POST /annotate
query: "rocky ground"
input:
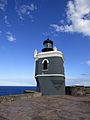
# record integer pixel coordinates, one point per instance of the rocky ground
(47, 108)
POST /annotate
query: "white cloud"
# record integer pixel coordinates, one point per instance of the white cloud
(78, 18)
(26, 10)
(17, 82)
(3, 4)
(47, 34)
(77, 81)
(10, 37)
(88, 62)
(6, 20)
(62, 28)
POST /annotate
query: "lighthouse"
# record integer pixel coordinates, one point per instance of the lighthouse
(49, 70)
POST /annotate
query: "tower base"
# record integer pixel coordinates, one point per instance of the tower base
(51, 85)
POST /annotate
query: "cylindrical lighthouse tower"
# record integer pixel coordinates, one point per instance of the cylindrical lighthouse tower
(49, 71)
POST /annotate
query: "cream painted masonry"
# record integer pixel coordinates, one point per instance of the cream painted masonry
(49, 54)
(61, 75)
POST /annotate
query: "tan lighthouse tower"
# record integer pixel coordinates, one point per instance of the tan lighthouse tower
(49, 72)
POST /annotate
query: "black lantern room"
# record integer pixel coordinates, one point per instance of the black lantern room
(48, 45)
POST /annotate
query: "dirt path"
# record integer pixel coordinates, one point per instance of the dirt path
(47, 108)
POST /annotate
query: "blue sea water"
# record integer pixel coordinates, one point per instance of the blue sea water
(12, 90)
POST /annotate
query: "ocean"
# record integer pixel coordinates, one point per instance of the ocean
(12, 90)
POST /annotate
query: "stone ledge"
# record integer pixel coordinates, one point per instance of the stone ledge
(25, 96)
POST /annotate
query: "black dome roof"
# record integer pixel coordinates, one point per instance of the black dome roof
(48, 41)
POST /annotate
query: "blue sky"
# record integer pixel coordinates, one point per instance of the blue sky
(25, 24)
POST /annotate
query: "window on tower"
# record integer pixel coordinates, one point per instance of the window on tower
(45, 64)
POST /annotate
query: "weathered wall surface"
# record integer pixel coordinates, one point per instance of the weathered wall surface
(55, 66)
(10, 98)
(77, 90)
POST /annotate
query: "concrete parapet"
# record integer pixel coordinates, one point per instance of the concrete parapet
(26, 96)
(77, 90)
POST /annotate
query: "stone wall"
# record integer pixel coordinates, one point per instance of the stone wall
(87, 90)
(77, 90)
(25, 96)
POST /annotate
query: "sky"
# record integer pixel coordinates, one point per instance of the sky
(25, 24)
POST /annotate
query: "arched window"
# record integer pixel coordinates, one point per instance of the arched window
(45, 63)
